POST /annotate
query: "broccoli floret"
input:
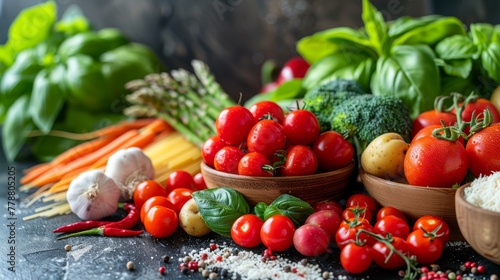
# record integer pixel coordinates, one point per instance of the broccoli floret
(322, 99)
(362, 118)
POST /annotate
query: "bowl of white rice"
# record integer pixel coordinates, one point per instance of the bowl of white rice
(477, 207)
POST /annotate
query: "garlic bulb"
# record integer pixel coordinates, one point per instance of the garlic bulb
(129, 167)
(93, 195)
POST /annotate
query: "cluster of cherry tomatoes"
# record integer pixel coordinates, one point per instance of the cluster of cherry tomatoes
(264, 141)
(160, 205)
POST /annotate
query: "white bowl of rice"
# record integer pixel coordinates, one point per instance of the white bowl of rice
(477, 206)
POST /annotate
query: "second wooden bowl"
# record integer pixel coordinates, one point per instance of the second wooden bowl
(311, 188)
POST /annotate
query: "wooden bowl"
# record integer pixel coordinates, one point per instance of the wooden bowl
(480, 227)
(311, 188)
(414, 201)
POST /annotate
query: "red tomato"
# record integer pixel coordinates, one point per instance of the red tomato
(483, 151)
(358, 212)
(295, 67)
(266, 137)
(277, 233)
(432, 117)
(227, 159)
(333, 151)
(301, 127)
(179, 196)
(347, 233)
(381, 252)
(430, 223)
(210, 148)
(179, 179)
(199, 182)
(153, 201)
(254, 164)
(300, 160)
(146, 190)
(427, 249)
(427, 131)
(362, 200)
(161, 221)
(435, 163)
(260, 110)
(390, 211)
(478, 106)
(233, 124)
(329, 205)
(246, 230)
(393, 225)
(355, 258)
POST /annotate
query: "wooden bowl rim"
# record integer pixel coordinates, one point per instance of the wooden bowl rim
(343, 170)
(462, 202)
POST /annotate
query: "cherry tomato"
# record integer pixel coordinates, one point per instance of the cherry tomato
(381, 252)
(246, 230)
(430, 223)
(295, 67)
(233, 124)
(199, 182)
(227, 159)
(332, 150)
(210, 148)
(161, 221)
(432, 117)
(153, 201)
(301, 127)
(355, 258)
(179, 196)
(179, 179)
(362, 200)
(260, 110)
(393, 225)
(427, 249)
(390, 211)
(254, 164)
(483, 151)
(427, 131)
(266, 137)
(478, 106)
(300, 160)
(329, 205)
(277, 233)
(359, 212)
(347, 232)
(435, 163)
(146, 190)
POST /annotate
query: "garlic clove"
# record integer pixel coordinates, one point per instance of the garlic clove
(93, 195)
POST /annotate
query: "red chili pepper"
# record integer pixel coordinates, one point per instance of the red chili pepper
(105, 231)
(79, 226)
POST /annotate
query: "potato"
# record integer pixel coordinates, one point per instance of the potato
(384, 156)
(191, 221)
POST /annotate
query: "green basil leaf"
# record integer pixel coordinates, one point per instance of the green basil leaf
(431, 33)
(288, 90)
(347, 65)
(293, 207)
(259, 210)
(451, 84)
(47, 98)
(490, 60)
(32, 25)
(495, 37)
(6, 57)
(410, 74)
(220, 207)
(375, 27)
(456, 47)
(456, 67)
(15, 128)
(72, 21)
(481, 34)
(405, 24)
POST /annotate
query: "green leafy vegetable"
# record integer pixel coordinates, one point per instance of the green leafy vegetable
(220, 207)
(16, 126)
(259, 210)
(293, 207)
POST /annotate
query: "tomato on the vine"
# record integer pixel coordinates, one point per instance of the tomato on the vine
(266, 137)
(362, 200)
(245, 230)
(483, 151)
(356, 212)
(381, 253)
(332, 150)
(261, 109)
(254, 164)
(478, 106)
(146, 190)
(179, 179)
(426, 248)
(277, 233)
(161, 221)
(427, 131)
(180, 196)
(388, 211)
(355, 258)
(392, 225)
(430, 223)
(300, 160)
(227, 159)
(301, 127)
(211, 146)
(435, 162)
(432, 117)
(233, 124)
(347, 232)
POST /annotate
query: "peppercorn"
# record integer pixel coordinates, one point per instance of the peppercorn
(205, 273)
(224, 272)
(287, 268)
(166, 258)
(67, 247)
(130, 265)
(303, 262)
(325, 274)
(494, 277)
(212, 276)
(161, 270)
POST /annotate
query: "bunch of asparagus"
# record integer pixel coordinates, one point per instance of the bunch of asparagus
(189, 102)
